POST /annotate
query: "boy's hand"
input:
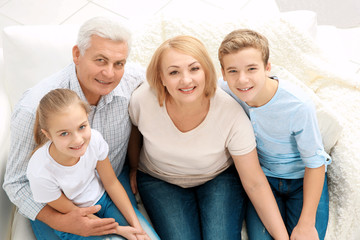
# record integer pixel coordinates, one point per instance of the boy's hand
(304, 233)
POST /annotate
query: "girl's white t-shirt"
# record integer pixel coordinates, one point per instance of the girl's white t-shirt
(190, 158)
(80, 183)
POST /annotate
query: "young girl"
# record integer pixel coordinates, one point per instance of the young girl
(70, 167)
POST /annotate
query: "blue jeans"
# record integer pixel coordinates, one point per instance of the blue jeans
(289, 197)
(43, 232)
(213, 210)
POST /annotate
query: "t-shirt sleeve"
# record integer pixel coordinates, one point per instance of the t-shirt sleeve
(100, 145)
(43, 190)
(241, 139)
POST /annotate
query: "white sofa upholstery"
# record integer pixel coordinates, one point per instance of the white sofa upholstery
(6, 207)
(34, 52)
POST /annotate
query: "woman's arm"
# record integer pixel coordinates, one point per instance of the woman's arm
(313, 185)
(258, 189)
(135, 144)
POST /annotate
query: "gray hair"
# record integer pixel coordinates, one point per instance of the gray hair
(105, 28)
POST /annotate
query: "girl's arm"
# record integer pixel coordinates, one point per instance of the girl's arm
(258, 189)
(135, 144)
(117, 192)
(313, 184)
(64, 205)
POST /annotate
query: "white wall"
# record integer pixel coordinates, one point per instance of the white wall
(341, 13)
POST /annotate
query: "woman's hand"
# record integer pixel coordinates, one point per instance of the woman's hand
(133, 182)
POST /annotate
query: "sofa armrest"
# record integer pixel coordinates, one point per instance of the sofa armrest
(6, 207)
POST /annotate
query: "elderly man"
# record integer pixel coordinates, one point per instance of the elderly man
(99, 75)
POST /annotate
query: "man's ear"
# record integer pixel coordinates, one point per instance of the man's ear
(76, 54)
(46, 134)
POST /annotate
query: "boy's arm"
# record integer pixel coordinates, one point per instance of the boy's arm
(313, 185)
(117, 192)
(135, 143)
(260, 194)
(309, 143)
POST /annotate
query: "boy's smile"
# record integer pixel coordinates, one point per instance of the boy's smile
(247, 77)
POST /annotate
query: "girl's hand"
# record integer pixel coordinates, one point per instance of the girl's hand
(133, 183)
(129, 233)
(143, 236)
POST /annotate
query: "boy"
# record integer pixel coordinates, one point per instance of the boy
(289, 144)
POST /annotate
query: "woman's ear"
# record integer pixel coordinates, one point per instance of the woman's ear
(46, 134)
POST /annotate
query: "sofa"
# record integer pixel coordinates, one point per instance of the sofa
(301, 52)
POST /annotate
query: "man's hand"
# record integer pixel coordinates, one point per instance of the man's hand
(80, 224)
(77, 221)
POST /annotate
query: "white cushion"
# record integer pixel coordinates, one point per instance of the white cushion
(21, 228)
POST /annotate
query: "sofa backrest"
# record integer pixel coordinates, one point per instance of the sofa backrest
(32, 53)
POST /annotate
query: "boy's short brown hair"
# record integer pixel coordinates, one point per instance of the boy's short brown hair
(244, 38)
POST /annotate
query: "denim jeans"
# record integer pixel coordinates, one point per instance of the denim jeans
(43, 232)
(213, 210)
(289, 197)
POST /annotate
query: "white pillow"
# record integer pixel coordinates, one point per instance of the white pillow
(304, 20)
(32, 53)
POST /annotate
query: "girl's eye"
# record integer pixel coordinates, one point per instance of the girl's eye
(173, 72)
(232, 71)
(63, 134)
(195, 68)
(82, 127)
(252, 69)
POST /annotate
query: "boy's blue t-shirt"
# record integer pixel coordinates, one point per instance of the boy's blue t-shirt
(287, 133)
